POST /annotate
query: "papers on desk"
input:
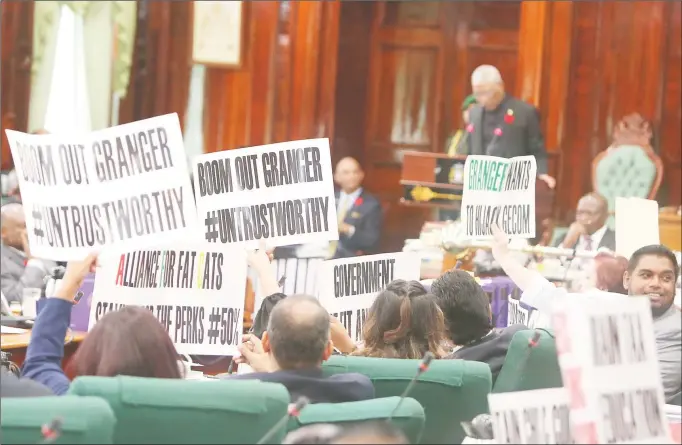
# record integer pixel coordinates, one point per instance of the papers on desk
(11, 330)
(636, 224)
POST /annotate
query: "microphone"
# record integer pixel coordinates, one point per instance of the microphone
(293, 411)
(423, 366)
(481, 428)
(51, 431)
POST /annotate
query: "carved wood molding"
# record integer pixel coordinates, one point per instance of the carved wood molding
(632, 130)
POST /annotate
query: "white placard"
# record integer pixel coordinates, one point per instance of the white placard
(281, 193)
(347, 287)
(195, 290)
(609, 365)
(636, 224)
(517, 314)
(122, 186)
(499, 190)
(541, 416)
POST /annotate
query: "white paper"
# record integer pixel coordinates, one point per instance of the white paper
(194, 289)
(348, 286)
(540, 416)
(499, 190)
(126, 186)
(609, 365)
(636, 224)
(281, 193)
(11, 330)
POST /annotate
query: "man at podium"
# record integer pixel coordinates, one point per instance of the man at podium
(502, 125)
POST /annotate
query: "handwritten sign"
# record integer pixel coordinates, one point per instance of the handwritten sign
(609, 366)
(281, 193)
(195, 290)
(502, 191)
(540, 416)
(120, 186)
(348, 286)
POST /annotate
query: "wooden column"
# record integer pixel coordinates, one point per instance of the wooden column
(533, 30)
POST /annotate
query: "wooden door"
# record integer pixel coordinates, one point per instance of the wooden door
(404, 105)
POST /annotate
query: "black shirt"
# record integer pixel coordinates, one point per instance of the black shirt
(13, 386)
(491, 349)
(493, 119)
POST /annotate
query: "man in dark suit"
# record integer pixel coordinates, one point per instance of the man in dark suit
(589, 231)
(20, 270)
(296, 343)
(504, 126)
(359, 213)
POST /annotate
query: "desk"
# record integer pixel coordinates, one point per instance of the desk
(16, 345)
(670, 230)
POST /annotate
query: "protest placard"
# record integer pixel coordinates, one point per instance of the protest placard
(517, 314)
(281, 193)
(122, 186)
(347, 287)
(541, 416)
(607, 354)
(195, 290)
(502, 191)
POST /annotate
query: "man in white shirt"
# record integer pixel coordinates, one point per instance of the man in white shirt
(589, 231)
(20, 270)
(359, 213)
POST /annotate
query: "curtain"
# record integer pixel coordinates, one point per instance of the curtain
(194, 115)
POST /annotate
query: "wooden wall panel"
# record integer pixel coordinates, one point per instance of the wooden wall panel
(16, 25)
(625, 58)
(159, 78)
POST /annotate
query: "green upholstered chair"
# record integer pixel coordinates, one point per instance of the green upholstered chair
(164, 411)
(450, 391)
(629, 168)
(86, 420)
(409, 417)
(527, 368)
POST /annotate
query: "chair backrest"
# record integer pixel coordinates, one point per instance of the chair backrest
(409, 417)
(86, 420)
(528, 368)
(188, 411)
(629, 167)
(450, 391)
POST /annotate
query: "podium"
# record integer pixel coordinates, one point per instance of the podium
(436, 180)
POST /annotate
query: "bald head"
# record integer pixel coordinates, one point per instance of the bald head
(487, 85)
(298, 333)
(13, 225)
(592, 212)
(348, 175)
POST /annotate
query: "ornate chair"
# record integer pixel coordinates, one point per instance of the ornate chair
(629, 167)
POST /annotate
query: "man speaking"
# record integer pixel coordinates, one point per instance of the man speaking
(502, 125)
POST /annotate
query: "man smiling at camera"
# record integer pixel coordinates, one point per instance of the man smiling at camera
(653, 271)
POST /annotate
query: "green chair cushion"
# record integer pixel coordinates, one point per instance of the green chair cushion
(409, 417)
(526, 368)
(188, 411)
(451, 391)
(86, 420)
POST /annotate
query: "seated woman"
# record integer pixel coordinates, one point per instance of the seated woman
(404, 322)
(129, 341)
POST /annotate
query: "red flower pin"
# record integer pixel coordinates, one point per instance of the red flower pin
(498, 132)
(509, 117)
(470, 128)
(358, 202)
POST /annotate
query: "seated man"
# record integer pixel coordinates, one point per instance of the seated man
(589, 231)
(653, 271)
(292, 351)
(466, 308)
(20, 269)
(359, 213)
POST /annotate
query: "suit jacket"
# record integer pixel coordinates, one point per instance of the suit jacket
(16, 276)
(366, 216)
(520, 138)
(311, 383)
(608, 241)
